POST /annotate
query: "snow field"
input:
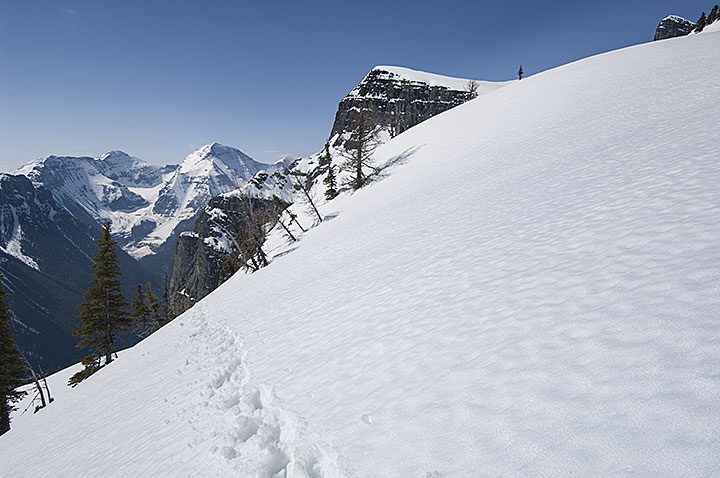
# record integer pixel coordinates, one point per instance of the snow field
(185, 407)
(533, 289)
(534, 292)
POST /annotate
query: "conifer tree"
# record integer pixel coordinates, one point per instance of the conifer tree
(141, 313)
(330, 180)
(713, 14)
(166, 314)
(156, 312)
(103, 313)
(303, 183)
(12, 366)
(702, 21)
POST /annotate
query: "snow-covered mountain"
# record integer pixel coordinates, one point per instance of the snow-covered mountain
(540, 300)
(147, 205)
(51, 212)
(45, 253)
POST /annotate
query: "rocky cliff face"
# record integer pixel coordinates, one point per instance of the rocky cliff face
(201, 256)
(673, 26)
(396, 98)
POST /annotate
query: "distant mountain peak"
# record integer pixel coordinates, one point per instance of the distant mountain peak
(221, 155)
(115, 154)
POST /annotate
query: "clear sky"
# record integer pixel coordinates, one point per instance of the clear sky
(157, 79)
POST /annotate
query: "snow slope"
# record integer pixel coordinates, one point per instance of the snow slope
(533, 289)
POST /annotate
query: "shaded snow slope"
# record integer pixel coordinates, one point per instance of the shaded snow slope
(532, 290)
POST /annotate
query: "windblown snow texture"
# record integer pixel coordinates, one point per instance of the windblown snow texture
(532, 290)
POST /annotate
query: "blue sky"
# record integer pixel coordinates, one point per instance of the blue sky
(158, 79)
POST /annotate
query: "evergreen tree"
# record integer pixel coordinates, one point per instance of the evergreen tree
(701, 23)
(156, 312)
(520, 73)
(103, 314)
(141, 313)
(12, 366)
(166, 315)
(713, 14)
(330, 180)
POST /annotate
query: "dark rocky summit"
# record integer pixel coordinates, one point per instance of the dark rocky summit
(673, 26)
(393, 101)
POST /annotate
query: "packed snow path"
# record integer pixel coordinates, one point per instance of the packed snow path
(533, 290)
(242, 422)
(206, 417)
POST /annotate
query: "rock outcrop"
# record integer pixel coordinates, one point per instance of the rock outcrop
(202, 256)
(397, 98)
(673, 26)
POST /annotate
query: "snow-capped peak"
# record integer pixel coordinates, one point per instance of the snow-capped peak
(137, 196)
(221, 156)
(117, 157)
(675, 18)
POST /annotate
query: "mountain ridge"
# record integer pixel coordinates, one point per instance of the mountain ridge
(554, 312)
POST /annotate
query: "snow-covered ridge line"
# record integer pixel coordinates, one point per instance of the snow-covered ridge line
(145, 203)
(676, 17)
(432, 79)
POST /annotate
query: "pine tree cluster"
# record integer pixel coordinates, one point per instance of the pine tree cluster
(146, 311)
(104, 313)
(706, 20)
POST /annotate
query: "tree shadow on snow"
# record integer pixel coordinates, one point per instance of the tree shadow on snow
(383, 171)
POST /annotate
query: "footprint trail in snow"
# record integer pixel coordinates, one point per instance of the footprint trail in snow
(240, 424)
